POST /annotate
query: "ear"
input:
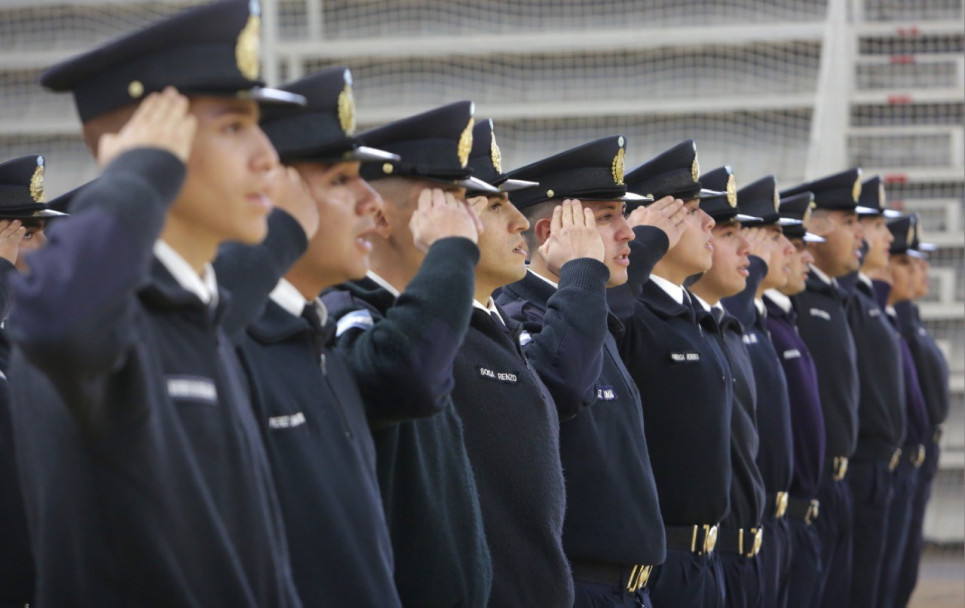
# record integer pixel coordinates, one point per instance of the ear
(383, 226)
(542, 230)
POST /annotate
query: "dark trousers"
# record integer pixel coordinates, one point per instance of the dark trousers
(599, 595)
(742, 581)
(775, 557)
(899, 522)
(872, 487)
(806, 569)
(686, 580)
(908, 576)
(834, 527)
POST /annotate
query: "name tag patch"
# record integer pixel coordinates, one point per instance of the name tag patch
(792, 354)
(357, 319)
(504, 377)
(287, 421)
(193, 388)
(821, 314)
(605, 393)
(685, 357)
(750, 338)
(874, 312)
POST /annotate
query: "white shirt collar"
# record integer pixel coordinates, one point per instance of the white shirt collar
(702, 302)
(205, 286)
(782, 301)
(865, 279)
(821, 275)
(489, 307)
(555, 285)
(759, 305)
(674, 291)
(293, 302)
(383, 283)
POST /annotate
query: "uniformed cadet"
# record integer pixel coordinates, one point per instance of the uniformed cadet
(23, 217)
(775, 457)
(511, 426)
(807, 418)
(933, 376)
(823, 325)
(897, 286)
(613, 531)
(741, 534)
(881, 410)
(308, 407)
(399, 329)
(685, 389)
(144, 474)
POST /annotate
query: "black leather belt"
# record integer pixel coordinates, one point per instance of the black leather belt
(740, 541)
(699, 539)
(631, 578)
(807, 510)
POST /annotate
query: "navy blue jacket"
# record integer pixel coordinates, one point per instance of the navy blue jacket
(612, 510)
(807, 417)
(16, 556)
(313, 423)
(929, 361)
(145, 477)
(823, 324)
(881, 410)
(776, 455)
(512, 436)
(400, 351)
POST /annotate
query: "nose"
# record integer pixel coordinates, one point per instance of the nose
(707, 222)
(624, 233)
(367, 200)
(743, 245)
(263, 156)
(518, 223)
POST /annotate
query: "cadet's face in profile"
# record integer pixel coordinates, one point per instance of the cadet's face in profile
(226, 195)
(840, 253)
(903, 277)
(797, 263)
(616, 234)
(781, 252)
(502, 249)
(728, 275)
(694, 252)
(339, 251)
(879, 239)
(921, 276)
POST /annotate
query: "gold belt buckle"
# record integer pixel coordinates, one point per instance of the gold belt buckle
(758, 541)
(840, 467)
(919, 458)
(895, 459)
(710, 538)
(639, 576)
(813, 510)
(780, 505)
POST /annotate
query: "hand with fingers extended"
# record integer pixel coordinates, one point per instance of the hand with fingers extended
(760, 243)
(161, 121)
(290, 193)
(573, 235)
(11, 235)
(667, 214)
(439, 215)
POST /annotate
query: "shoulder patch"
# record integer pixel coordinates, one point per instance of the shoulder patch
(357, 319)
(193, 388)
(821, 314)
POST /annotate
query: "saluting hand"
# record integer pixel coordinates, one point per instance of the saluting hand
(760, 243)
(290, 192)
(573, 235)
(161, 121)
(11, 234)
(441, 215)
(667, 214)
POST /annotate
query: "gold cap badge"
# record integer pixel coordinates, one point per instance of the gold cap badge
(882, 200)
(777, 199)
(856, 190)
(37, 181)
(807, 213)
(495, 154)
(731, 190)
(465, 144)
(616, 167)
(695, 169)
(911, 235)
(346, 110)
(248, 48)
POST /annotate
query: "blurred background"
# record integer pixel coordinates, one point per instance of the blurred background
(793, 88)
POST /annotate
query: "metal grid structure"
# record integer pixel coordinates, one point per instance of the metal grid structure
(794, 88)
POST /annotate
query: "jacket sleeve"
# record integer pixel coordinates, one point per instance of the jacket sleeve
(403, 361)
(567, 351)
(250, 272)
(6, 271)
(74, 310)
(649, 246)
(742, 304)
